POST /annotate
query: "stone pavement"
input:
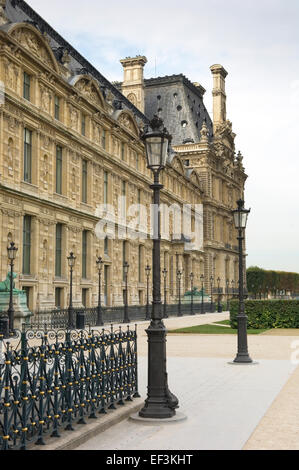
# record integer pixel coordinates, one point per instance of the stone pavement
(227, 406)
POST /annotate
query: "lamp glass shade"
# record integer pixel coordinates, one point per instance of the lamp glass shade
(240, 219)
(156, 151)
(126, 267)
(71, 260)
(12, 251)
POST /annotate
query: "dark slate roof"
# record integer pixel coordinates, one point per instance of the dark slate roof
(180, 104)
(18, 11)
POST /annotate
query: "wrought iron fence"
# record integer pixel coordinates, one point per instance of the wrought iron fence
(52, 379)
(60, 318)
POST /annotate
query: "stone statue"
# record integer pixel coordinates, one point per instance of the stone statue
(5, 285)
(195, 292)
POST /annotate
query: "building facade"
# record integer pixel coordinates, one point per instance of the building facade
(72, 162)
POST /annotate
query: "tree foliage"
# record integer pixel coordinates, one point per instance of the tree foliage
(261, 281)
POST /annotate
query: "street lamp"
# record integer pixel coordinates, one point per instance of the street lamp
(219, 308)
(147, 272)
(11, 254)
(202, 281)
(191, 282)
(211, 285)
(99, 263)
(126, 312)
(164, 272)
(160, 403)
(71, 261)
(240, 219)
(179, 277)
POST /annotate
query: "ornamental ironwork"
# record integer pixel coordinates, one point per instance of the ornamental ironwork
(51, 380)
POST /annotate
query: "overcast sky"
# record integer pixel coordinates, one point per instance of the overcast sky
(257, 43)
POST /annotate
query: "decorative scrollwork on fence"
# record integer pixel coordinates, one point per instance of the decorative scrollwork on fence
(52, 379)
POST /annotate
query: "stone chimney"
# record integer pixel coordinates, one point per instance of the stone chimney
(133, 84)
(219, 96)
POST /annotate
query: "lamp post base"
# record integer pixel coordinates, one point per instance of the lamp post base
(179, 416)
(160, 402)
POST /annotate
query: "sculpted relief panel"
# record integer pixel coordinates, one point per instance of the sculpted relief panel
(30, 41)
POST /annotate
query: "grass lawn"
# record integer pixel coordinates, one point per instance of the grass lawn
(222, 322)
(214, 329)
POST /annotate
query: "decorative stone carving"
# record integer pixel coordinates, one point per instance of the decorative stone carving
(45, 98)
(11, 75)
(3, 18)
(74, 118)
(126, 121)
(30, 41)
(204, 133)
(88, 89)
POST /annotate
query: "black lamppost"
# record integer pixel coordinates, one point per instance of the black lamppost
(240, 220)
(11, 253)
(71, 261)
(227, 299)
(99, 308)
(164, 272)
(191, 282)
(179, 277)
(126, 310)
(160, 403)
(147, 272)
(211, 285)
(219, 307)
(202, 285)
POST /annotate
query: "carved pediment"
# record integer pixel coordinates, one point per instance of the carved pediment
(89, 89)
(127, 121)
(32, 40)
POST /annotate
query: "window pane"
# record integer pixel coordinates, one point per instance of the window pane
(26, 86)
(58, 170)
(57, 107)
(84, 181)
(58, 257)
(26, 244)
(27, 155)
(84, 254)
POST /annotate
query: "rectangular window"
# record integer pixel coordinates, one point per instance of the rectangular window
(58, 169)
(26, 244)
(106, 246)
(84, 254)
(28, 295)
(83, 124)
(103, 138)
(57, 107)
(58, 297)
(27, 155)
(84, 297)
(105, 187)
(26, 86)
(84, 181)
(137, 160)
(58, 251)
(122, 151)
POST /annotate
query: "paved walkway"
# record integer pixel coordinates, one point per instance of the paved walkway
(227, 406)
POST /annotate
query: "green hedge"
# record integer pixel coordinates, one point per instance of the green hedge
(267, 313)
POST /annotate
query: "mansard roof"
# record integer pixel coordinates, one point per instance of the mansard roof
(18, 11)
(180, 104)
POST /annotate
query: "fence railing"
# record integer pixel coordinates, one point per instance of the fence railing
(52, 379)
(60, 318)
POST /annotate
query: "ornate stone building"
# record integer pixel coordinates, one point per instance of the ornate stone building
(69, 142)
